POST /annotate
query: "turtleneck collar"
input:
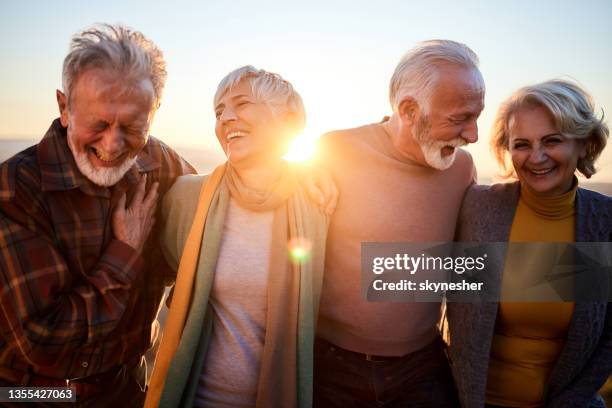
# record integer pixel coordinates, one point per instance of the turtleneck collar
(552, 208)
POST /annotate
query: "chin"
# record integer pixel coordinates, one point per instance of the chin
(437, 161)
(103, 176)
(545, 188)
(551, 184)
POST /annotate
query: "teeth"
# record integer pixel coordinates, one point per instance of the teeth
(105, 157)
(542, 171)
(233, 135)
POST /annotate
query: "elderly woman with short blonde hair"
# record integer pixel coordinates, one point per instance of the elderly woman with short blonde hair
(536, 354)
(249, 249)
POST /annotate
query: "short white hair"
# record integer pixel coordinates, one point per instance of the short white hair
(417, 72)
(116, 48)
(267, 87)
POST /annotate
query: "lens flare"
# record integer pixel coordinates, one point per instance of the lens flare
(303, 148)
(299, 249)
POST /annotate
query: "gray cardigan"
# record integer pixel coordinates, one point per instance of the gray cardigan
(586, 360)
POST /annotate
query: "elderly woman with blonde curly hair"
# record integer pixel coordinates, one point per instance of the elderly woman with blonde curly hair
(249, 249)
(536, 354)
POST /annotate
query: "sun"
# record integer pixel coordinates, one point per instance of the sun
(302, 148)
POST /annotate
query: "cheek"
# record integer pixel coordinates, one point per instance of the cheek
(137, 143)
(572, 163)
(518, 159)
(78, 139)
(566, 157)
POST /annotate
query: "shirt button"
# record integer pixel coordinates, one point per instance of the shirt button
(84, 364)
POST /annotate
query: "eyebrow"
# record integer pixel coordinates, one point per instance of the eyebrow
(221, 105)
(541, 137)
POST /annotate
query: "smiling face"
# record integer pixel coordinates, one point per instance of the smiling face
(544, 160)
(456, 104)
(108, 121)
(450, 120)
(249, 132)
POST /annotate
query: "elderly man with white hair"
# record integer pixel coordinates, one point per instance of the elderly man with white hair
(81, 280)
(401, 180)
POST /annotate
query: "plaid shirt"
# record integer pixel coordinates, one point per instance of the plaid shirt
(75, 301)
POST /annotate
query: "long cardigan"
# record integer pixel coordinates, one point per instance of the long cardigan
(586, 359)
(184, 373)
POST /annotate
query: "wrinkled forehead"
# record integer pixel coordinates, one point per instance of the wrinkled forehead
(460, 83)
(242, 87)
(104, 84)
(530, 116)
(459, 91)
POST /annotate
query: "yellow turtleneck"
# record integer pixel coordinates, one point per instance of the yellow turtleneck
(529, 336)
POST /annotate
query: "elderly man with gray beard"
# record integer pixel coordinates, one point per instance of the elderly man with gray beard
(401, 180)
(81, 279)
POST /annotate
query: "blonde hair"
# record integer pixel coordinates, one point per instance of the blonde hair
(267, 87)
(573, 113)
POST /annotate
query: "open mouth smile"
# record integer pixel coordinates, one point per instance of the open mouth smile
(447, 150)
(234, 135)
(541, 172)
(106, 158)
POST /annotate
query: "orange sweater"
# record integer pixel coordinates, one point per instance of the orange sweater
(529, 336)
(383, 198)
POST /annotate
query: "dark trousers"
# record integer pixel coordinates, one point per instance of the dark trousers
(345, 379)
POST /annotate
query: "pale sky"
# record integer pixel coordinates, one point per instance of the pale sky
(338, 54)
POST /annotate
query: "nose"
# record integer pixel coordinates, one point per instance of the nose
(228, 114)
(113, 140)
(537, 155)
(470, 132)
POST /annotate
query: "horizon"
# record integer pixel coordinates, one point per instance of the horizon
(207, 164)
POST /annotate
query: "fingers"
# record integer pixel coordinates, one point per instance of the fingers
(121, 202)
(327, 189)
(150, 200)
(119, 211)
(313, 190)
(333, 201)
(133, 224)
(118, 218)
(140, 190)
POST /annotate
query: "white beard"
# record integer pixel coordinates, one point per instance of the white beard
(104, 177)
(432, 149)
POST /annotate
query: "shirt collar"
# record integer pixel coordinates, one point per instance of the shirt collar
(59, 171)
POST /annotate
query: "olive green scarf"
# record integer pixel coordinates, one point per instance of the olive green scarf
(285, 378)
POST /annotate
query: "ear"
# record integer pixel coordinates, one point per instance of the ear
(408, 111)
(62, 104)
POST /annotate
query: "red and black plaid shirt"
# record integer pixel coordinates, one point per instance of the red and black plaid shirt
(75, 301)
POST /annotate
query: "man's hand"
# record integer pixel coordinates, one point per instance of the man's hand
(133, 224)
(320, 187)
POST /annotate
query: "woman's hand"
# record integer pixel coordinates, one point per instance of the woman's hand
(132, 224)
(319, 186)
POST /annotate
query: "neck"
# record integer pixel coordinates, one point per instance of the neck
(551, 206)
(260, 177)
